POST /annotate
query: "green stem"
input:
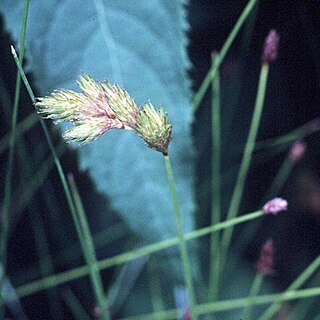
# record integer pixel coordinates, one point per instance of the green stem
(277, 184)
(301, 308)
(155, 286)
(215, 185)
(79, 272)
(297, 134)
(45, 267)
(302, 278)
(280, 143)
(87, 243)
(26, 162)
(182, 240)
(245, 163)
(74, 305)
(225, 305)
(258, 300)
(32, 186)
(280, 179)
(62, 176)
(213, 71)
(233, 91)
(8, 177)
(23, 126)
(73, 252)
(255, 288)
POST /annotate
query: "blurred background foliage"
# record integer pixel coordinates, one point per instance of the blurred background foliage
(292, 100)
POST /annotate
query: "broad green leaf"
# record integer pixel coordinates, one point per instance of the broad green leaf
(141, 46)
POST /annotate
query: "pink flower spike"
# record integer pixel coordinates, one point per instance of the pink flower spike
(270, 50)
(187, 315)
(275, 205)
(265, 262)
(297, 151)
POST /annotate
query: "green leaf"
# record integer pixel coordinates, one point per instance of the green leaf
(141, 46)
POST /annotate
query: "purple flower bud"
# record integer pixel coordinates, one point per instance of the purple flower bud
(187, 315)
(265, 262)
(275, 205)
(270, 50)
(297, 151)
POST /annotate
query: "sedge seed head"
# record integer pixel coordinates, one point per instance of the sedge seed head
(101, 107)
(154, 128)
(93, 112)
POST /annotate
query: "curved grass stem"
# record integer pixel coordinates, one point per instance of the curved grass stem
(213, 71)
(82, 271)
(90, 255)
(8, 178)
(80, 232)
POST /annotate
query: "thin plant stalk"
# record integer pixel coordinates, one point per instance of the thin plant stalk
(213, 71)
(125, 277)
(33, 185)
(282, 142)
(8, 178)
(155, 286)
(299, 133)
(255, 288)
(234, 90)
(215, 184)
(278, 182)
(47, 267)
(182, 241)
(301, 308)
(23, 126)
(38, 230)
(280, 179)
(245, 163)
(297, 283)
(62, 178)
(225, 305)
(74, 305)
(258, 300)
(26, 161)
(63, 277)
(73, 252)
(90, 250)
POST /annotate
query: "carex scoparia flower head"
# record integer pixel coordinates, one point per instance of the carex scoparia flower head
(91, 112)
(154, 128)
(101, 107)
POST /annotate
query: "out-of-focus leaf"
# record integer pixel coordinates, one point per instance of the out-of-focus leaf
(141, 46)
(10, 296)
